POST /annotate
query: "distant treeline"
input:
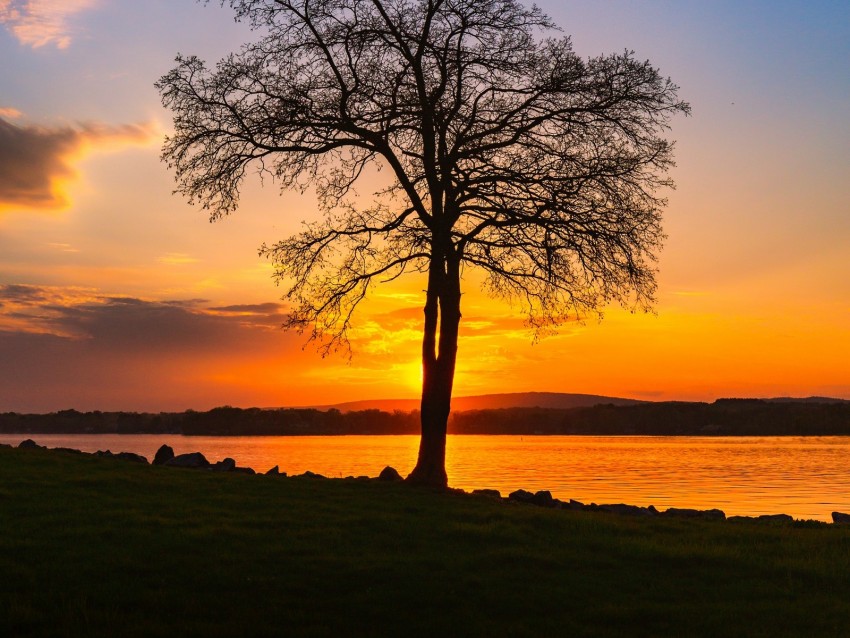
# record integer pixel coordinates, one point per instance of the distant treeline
(725, 417)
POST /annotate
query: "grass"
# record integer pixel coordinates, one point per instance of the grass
(99, 547)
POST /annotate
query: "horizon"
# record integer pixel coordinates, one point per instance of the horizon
(388, 403)
(116, 295)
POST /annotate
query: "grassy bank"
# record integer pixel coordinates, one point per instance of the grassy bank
(97, 546)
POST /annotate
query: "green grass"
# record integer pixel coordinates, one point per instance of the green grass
(98, 547)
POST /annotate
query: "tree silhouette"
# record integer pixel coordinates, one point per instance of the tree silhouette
(506, 150)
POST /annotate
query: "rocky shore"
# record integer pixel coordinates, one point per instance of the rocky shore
(195, 460)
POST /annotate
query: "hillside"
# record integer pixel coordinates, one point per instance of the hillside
(551, 400)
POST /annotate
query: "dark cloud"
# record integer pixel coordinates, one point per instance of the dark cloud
(34, 159)
(124, 352)
(19, 293)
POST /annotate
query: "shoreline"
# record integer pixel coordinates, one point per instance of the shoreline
(541, 498)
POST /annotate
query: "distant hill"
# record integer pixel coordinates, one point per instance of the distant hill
(552, 400)
(806, 400)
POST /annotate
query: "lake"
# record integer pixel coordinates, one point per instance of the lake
(807, 478)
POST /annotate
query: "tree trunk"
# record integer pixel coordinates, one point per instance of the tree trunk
(439, 353)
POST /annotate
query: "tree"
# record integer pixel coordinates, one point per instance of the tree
(507, 152)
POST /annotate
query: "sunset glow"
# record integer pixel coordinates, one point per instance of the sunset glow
(116, 294)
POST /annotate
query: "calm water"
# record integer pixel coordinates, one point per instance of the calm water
(804, 477)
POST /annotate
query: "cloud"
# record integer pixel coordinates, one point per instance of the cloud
(37, 23)
(74, 347)
(8, 112)
(36, 162)
(127, 324)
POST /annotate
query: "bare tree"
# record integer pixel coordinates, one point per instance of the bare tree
(507, 152)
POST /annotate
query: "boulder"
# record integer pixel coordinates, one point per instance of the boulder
(711, 515)
(543, 498)
(309, 474)
(775, 518)
(487, 493)
(627, 510)
(67, 450)
(194, 460)
(275, 471)
(163, 455)
(130, 456)
(521, 496)
(841, 518)
(243, 470)
(102, 453)
(573, 505)
(29, 444)
(389, 474)
(225, 465)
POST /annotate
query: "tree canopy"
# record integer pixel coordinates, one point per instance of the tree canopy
(507, 152)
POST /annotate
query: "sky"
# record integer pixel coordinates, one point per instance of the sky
(116, 294)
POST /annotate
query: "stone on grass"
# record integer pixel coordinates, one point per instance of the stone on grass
(627, 510)
(680, 512)
(130, 456)
(389, 474)
(194, 460)
(309, 474)
(775, 518)
(840, 517)
(543, 498)
(29, 444)
(487, 493)
(225, 465)
(163, 455)
(275, 471)
(521, 496)
(243, 470)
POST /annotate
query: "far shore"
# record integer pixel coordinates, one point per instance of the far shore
(725, 417)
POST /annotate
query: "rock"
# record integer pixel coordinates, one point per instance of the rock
(841, 518)
(627, 510)
(29, 444)
(389, 474)
(487, 493)
(163, 455)
(543, 498)
(573, 505)
(243, 470)
(130, 456)
(521, 496)
(275, 471)
(711, 515)
(67, 450)
(225, 465)
(102, 453)
(192, 460)
(309, 474)
(775, 518)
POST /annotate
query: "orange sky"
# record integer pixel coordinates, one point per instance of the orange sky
(115, 294)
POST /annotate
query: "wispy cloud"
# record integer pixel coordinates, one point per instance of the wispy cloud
(37, 23)
(37, 161)
(8, 112)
